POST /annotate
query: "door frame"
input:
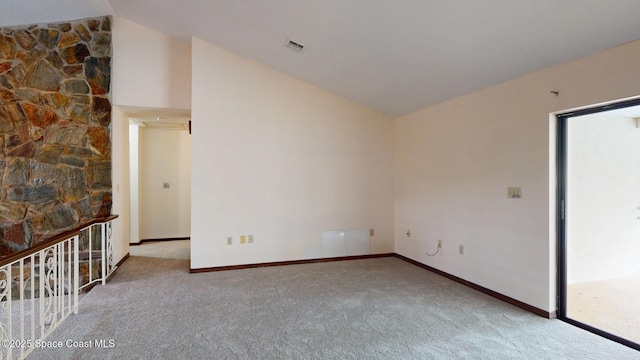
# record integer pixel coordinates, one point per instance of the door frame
(561, 214)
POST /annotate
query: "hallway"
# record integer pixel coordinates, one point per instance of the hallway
(170, 249)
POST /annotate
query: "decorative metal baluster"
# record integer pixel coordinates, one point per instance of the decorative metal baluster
(76, 272)
(48, 280)
(32, 279)
(21, 287)
(109, 248)
(5, 307)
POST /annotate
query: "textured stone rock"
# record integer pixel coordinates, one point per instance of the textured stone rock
(16, 75)
(12, 211)
(66, 136)
(101, 111)
(93, 24)
(30, 95)
(80, 99)
(23, 150)
(40, 172)
(68, 39)
(98, 73)
(61, 217)
(32, 194)
(99, 140)
(36, 223)
(18, 116)
(99, 174)
(73, 70)
(37, 134)
(54, 59)
(101, 203)
(13, 233)
(64, 27)
(72, 183)
(58, 100)
(73, 161)
(5, 83)
(101, 45)
(6, 126)
(106, 24)
(49, 154)
(75, 54)
(29, 58)
(84, 208)
(5, 250)
(39, 116)
(44, 77)
(14, 140)
(7, 96)
(48, 37)
(4, 66)
(75, 86)
(78, 112)
(16, 172)
(7, 48)
(25, 39)
(78, 151)
(82, 31)
(55, 116)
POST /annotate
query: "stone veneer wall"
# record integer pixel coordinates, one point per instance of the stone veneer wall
(55, 117)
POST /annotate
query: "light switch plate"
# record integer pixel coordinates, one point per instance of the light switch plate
(514, 192)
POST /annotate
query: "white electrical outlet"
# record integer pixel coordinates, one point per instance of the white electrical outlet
(250, 239)
(229, 240)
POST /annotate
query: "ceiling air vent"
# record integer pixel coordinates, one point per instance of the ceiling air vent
(295, 46)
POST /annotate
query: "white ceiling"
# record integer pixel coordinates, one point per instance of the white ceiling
(393, 56)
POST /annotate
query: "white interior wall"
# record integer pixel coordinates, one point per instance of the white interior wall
(455, 160)
(134, 175)
(120, 181)
(165, 157)
(282, 160)
(453, 163)
(149, 69)
(603, 207)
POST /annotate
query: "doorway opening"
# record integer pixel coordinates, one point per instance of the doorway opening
(598, 220)
(160, 179)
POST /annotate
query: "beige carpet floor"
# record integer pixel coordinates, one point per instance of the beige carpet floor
(612, 305)
(361, 309)
(169, 249)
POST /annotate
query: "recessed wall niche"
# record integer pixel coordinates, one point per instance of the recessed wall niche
(55, 129)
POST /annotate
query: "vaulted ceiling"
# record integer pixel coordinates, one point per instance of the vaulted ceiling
(393, 56)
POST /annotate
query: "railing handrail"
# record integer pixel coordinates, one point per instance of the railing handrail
(53, 240)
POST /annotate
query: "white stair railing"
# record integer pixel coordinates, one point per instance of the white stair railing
(40, 287)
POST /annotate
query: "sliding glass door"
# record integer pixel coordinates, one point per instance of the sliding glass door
(599, 220)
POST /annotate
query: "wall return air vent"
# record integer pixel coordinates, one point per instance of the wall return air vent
(294, 45)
